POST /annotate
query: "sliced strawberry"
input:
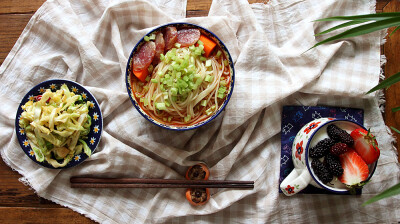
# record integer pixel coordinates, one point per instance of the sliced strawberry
(355, 170)
(365, 145)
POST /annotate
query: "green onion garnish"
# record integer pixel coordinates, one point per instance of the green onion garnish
(208, 78)
(145, 102)
(187, 118)
(160, 106)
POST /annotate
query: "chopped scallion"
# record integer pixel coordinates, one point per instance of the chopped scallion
(208, 63)
(145, 102)
(222, 89)
(150, 68)
(209, 111)
(147, 78)
(160, 106)
(174, 91)
(222, 83)
(187, 118)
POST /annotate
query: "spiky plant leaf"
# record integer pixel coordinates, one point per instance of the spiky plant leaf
(342, 26)
(395, 109)
(394, 31)
(395, 129)
(362, 29)
(371, 17)
(386, 83)
(395, 190)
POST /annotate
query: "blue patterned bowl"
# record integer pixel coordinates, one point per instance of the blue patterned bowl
(128, 77)
(94, 111)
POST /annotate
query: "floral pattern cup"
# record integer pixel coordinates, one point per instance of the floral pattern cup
(302, 174)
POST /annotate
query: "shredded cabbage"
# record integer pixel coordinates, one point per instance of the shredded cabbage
(56, 126)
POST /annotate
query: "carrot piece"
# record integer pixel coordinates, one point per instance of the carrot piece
(142, 74)
(208, 44)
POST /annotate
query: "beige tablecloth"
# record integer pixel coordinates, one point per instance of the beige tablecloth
(90, 41)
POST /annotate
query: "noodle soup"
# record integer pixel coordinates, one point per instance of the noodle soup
(180, 76)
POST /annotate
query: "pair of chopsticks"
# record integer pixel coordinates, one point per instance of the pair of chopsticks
(93, 182)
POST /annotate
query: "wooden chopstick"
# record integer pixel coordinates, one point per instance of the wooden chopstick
(90, 182)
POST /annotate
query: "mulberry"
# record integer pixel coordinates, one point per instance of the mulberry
(338, 149)
(333, 164)
(339, 135)
(321, 148)
(321, 171)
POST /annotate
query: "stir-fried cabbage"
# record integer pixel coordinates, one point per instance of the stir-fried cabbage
(56, 126)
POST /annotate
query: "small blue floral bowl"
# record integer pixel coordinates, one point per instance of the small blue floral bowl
(134, 100)
(94, 112)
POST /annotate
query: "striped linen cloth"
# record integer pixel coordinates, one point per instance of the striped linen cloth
(90, 41)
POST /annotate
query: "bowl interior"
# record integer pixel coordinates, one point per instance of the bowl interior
(134, 100)
(335, 185)
(94, 112)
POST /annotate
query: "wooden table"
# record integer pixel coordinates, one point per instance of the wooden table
(19, 204)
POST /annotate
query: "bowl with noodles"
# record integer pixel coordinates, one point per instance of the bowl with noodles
(180, 76)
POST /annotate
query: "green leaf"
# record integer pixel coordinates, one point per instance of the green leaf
(362, 29)
(386, 83)
(394, 31)
(395, 190)
(395, 109)
(394, 129)
(374, 17)
(341, 26)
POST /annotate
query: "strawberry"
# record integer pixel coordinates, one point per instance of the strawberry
(366, 145)
(355, 170)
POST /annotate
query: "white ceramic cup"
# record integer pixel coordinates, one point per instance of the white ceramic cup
(302, 175)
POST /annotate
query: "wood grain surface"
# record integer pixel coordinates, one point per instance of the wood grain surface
(19, 204)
